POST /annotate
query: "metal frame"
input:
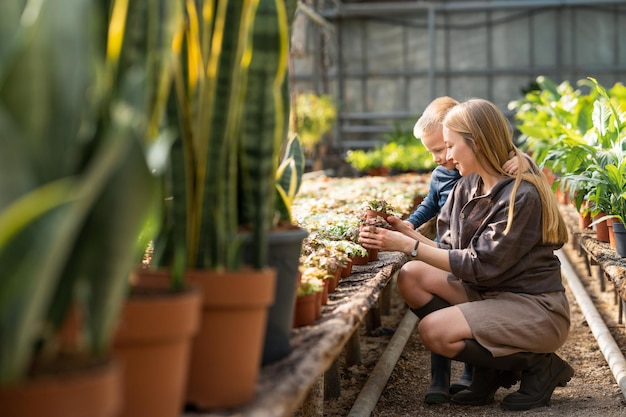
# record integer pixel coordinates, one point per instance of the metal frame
(367, 123)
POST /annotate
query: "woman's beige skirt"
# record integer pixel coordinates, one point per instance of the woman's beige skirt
(507, 323)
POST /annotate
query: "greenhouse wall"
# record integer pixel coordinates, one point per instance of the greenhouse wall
(383, 62)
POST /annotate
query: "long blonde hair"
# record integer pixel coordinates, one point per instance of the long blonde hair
(488, 133)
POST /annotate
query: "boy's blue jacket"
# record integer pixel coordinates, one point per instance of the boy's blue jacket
(442, 181)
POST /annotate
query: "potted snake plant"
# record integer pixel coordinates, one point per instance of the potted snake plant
(78, 195)
(228, 112)
(284, 249)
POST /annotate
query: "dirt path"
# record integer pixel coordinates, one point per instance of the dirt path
(591, 392)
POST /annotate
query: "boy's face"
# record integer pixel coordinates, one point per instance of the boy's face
(433, 141)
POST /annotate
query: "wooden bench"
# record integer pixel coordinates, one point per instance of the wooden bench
(610, 267)
(310, 371)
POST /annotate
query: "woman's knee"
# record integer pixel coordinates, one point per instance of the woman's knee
(409, 278)
(442, 331)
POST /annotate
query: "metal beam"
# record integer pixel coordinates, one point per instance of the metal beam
(393, 8)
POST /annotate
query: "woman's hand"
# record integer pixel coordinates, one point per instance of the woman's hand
(404, 227)
(372, 237)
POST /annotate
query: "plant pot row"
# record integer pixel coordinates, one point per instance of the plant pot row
(173, 349)
(609, 231)
(308, 308)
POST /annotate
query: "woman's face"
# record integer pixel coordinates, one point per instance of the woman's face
(459, 152)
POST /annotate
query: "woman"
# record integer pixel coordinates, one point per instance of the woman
(489, 293)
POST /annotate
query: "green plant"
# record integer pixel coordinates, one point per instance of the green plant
(311, 281)
(570, 132)
(400, 153)
(350, 248)
(72, 134)
(326, 257)
(603, 180)
(552, 122)
(363, 160)
(289, 178)
(313, 116)
(230, 114)
(380, 206)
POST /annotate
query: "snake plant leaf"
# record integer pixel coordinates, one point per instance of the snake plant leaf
(34, 242)
(80, 185)
(106, 249)
(289, 178)
(265, 120)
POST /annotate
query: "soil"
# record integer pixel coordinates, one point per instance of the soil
(592, 391)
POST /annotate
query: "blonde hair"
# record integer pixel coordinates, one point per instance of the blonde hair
(433, 115)
(487, 131)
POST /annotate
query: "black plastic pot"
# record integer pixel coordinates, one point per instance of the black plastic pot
(284, 255)
(620, 239)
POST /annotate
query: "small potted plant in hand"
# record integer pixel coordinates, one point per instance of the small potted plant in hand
(378, 208)
(375, 215)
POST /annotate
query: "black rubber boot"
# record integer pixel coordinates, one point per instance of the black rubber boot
(485, 383)
(464, 381)
(538, 383)
(438, 391)
(541, 373)
(435, 303)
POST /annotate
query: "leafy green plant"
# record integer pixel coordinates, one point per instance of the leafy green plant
(313, 117)
(364, 160)
(604, 179)
(349, 247)
(311, 281)
(552, 121)
(379, 206)
(327, 257)
(72, 134)
(570, 132)
(401, 152)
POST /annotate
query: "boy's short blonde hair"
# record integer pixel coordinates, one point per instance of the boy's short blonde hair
(433, 115)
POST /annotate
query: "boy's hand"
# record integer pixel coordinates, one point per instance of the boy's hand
(511, 166)
(514, 164)
(408, 223)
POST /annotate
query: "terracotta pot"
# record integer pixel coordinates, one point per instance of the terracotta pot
(153, 342)
(226, 352)
(584, 219)
(562, 196)
(334, 281)
(609, 227)
(372, 255)
(602, 231)
(305, 311)
(347, 270)
(318, 305)
(378, 172)
(325, 292)
(92, 392)
(360, 260)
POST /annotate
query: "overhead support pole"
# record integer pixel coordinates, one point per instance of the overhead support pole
(399, 7)
(431, 51)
